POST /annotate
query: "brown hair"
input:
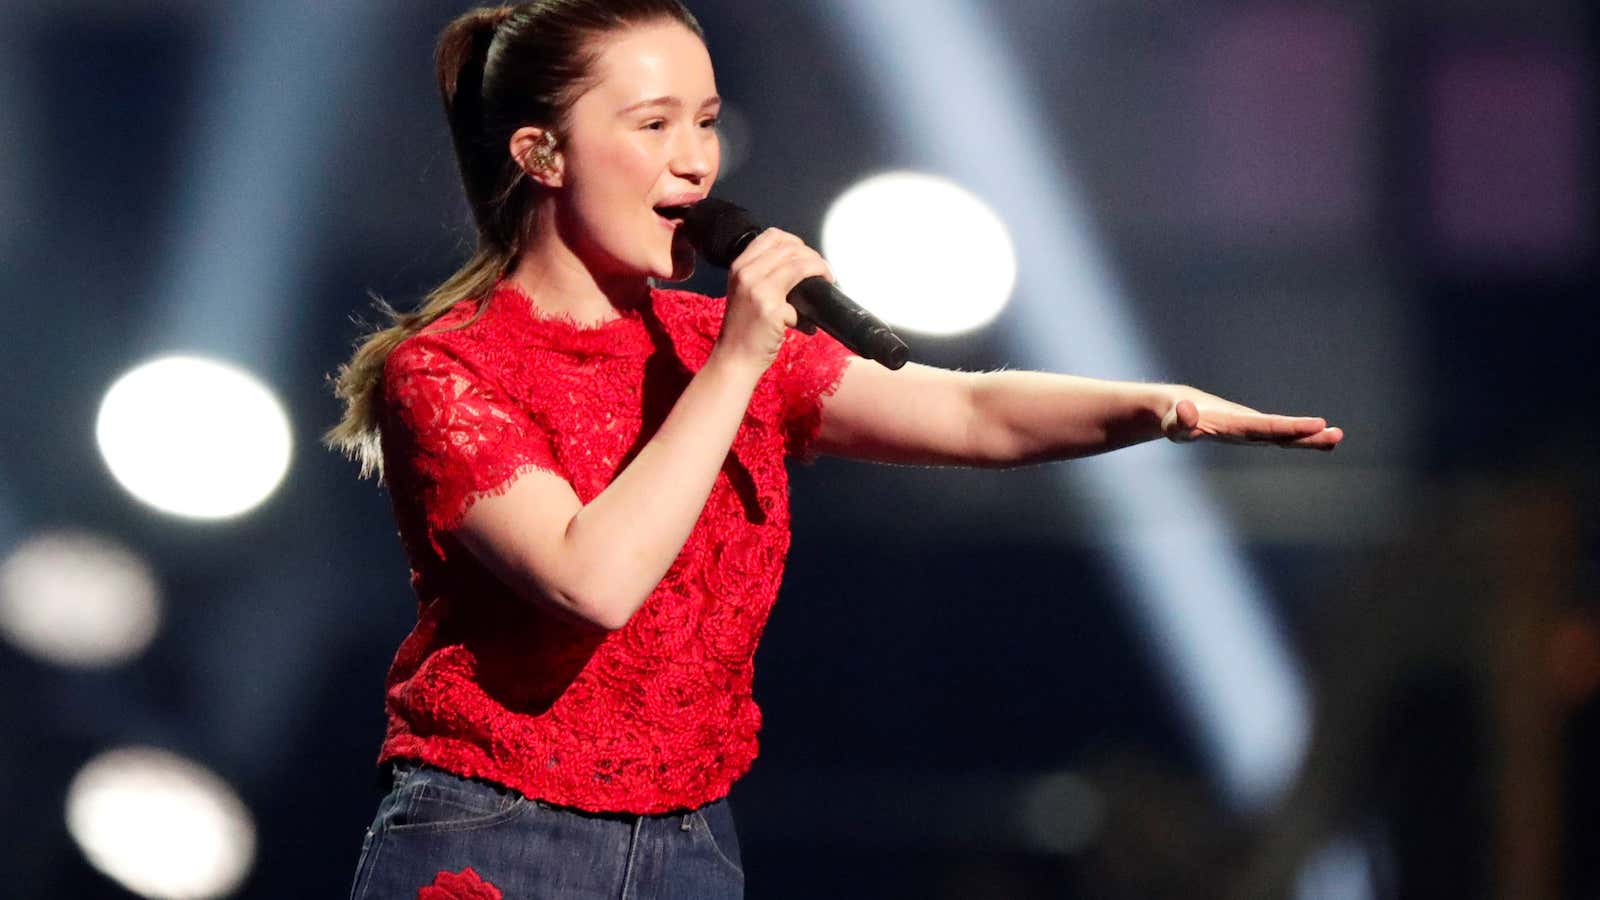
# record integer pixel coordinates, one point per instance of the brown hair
(499, 68)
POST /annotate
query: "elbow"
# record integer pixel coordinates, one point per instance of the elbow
(600, 607)
(989, 442)
(581, 591)
(604, 616)
(993, 446)
(580, 605)
(608, 616)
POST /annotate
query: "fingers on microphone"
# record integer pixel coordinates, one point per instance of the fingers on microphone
(759, 249)
(775, 242)
(796, 265)
(765, 264)
(767, 242)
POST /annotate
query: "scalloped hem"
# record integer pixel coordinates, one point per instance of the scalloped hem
(453, 521)
(803, 433)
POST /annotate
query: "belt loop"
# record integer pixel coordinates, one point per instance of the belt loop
(686, 826)
(400, 771)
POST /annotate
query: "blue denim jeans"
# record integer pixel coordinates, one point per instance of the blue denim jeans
(433, 822)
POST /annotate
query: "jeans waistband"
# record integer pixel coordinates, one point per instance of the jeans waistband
(390, 772)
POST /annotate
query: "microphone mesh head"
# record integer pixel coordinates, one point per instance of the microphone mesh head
(719, 230)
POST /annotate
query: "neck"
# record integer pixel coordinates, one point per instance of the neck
(561, 284)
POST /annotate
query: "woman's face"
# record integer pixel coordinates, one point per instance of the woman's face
(644, 136)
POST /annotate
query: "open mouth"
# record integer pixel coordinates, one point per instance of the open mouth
(672, 213)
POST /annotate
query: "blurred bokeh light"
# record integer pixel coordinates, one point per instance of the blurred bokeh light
(162, 826)
(78, 599)
(921, 252)
(194, 437)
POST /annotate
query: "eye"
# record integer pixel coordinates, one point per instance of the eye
(655, 124)
(709, 122)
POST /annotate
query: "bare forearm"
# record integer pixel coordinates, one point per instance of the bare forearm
(625, 539)
(1031, 417)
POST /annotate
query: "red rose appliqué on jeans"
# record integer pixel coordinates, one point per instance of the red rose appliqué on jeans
(462, 885)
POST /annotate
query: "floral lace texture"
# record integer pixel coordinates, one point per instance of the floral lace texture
(652, 717)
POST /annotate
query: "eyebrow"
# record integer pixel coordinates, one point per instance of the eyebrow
(667, 102)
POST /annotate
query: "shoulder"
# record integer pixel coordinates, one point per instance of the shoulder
(445, 344)
(443, 365)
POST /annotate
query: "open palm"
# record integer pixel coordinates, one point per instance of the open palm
(1196, 415)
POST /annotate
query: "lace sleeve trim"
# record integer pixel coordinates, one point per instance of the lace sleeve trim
(457, 438)
(439, 525)
(812, 375)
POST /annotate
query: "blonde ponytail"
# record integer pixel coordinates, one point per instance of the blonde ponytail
(459, 61)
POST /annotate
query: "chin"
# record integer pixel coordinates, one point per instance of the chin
(658, 269)
(682, 264)
(681, 272)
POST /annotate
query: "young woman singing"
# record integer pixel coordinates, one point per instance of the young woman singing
(588, 473)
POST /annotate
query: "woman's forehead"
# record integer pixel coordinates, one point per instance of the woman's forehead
(650, 62)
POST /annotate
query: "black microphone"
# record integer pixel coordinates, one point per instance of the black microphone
(721, 231)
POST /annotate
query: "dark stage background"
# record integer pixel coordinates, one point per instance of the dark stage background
(1367, 674)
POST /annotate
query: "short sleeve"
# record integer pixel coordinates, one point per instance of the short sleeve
(809, 367)
(450, 435)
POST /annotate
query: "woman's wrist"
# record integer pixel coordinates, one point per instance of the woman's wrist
(727, 364)
(1146, 410)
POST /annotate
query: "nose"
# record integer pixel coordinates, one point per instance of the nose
(695, 154)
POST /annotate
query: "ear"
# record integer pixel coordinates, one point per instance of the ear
(537, 151)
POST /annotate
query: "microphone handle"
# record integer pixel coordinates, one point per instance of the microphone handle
(722, 231)
(818, 300)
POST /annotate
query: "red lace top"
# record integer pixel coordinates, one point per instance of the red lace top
(657, 715)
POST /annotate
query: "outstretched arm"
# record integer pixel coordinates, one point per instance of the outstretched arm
(929, 416)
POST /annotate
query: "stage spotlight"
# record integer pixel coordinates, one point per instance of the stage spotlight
(160, 825)
(1193, 592)
(77, 600)
(921, 252)
(194, 437)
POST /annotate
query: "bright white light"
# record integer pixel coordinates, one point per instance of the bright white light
(160, 825)
(194, 437)
(920, 252)
(77, 600)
